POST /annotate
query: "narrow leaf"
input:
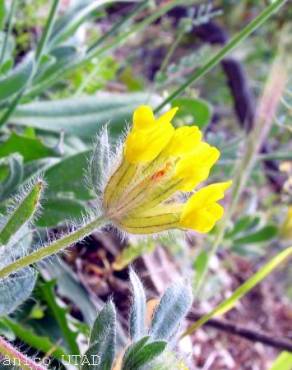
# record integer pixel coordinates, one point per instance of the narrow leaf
(140, 354)
(16, 79)
(68, 23)
(60, 314)
(13, 165)
(172, 308)
(262, 235)
(102, 340)
(138, 308)
(230, 302)
(2, 13)
(23, 213)
(84, 116)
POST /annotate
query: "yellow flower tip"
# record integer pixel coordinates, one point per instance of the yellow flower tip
(143, 118)
(148, 136)
(184, 140)
(168, 116)
(195, 167)
(202, 211)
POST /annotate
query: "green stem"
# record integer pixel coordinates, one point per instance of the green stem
(139, 27)
(235, 41)
(47, 31)
(9, 28)
(53, 248)
(116, 27)
(15, 359)
(172, 50)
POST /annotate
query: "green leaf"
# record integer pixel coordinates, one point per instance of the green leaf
(6, 331)
(57, 210)
(103, 339)
(242, 224)
(16, 79)
(67, 24)
(60, 314)
(29, 148)
(172, 308)
(23, 212)
(70, 287)
(38, 342)
(138, 308)
(56, 60)
(2, 14)
(283, 361)
(84, 116)
(140, 354)
(266, 233)
(200, 264)
(199, 110)
(16, 289)
(12, 171)
(66, 178)
(230, 302)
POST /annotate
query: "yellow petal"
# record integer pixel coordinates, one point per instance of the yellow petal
(184, 140)
(202, 211)
(148, 136)
(195, 167)
(143, 118)
(145, 146)
(167, 116)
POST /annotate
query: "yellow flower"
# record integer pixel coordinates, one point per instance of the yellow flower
(159, 162)
(202, 211)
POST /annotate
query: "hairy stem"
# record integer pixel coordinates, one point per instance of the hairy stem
(16, 359)
(53, 248)
(235, 41)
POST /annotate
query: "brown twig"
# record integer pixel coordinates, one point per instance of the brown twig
(241, 331)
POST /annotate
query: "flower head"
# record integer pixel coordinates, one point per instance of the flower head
(158, 163)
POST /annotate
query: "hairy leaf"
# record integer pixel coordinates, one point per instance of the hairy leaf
(22, 213)
(172, 308)
(15, 289)
(12, 168)
(103, 339)
(140, 353)
(138, 308)
(84, 116)
(16, 79)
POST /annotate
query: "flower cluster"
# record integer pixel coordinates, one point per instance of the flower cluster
(159, 163)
